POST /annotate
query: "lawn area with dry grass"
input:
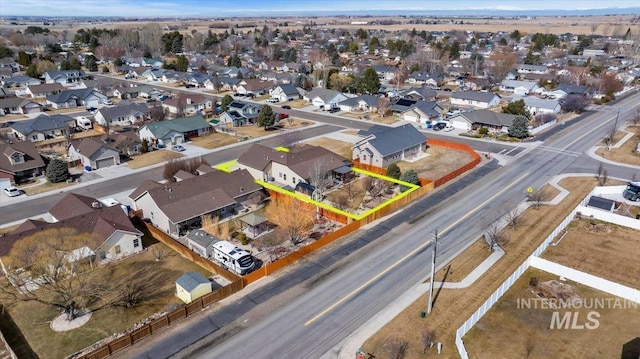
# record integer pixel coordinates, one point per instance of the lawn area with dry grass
(214, 140)
(353, 190)
(45, 187)
(507, 330)
(439, 162)
(257, 131)
(33, 319)
(600, 248)
(152, 158)
(453, 306)
(299, 103)
(336, 146)
(465, 263)
(625, 153)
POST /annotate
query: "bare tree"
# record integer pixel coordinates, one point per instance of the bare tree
(150, 37)
(602, 176)
(513, 216)
(341, 200)
(368, 183)
(159, 252)
(396, 348)
(293, 227)
(537, 197)
(501, 64)
(428, 337)
(318, 179)
(158, 113)
(494, 236)
(50, 267)
(383, 105)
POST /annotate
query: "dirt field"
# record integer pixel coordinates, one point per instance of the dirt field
(606, 25)
(33, 318)
(453, 307)
(601, 249)
(507, 330)
(214, 140)
(625, 153)
(151, 158)
(339, 147)
(439, 162)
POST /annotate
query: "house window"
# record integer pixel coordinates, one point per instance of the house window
(136, 243)
(117, 249)
(34, 137)
(364, 157)
(293, 179)
(284, 176)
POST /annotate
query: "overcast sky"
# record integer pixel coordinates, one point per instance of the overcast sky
(214, 8)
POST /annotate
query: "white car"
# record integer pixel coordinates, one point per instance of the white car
(12, 191)
(448, 128)
(108, 102)
(177, 148)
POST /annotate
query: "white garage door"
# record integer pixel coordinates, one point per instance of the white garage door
(105, 162)
(460, 124)
(4, 183)
(410, 117)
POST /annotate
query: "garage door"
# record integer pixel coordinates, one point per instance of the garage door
(460, 124)
(105, 162)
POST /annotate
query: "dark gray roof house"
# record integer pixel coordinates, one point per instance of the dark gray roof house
(42, 127)
(392, 144)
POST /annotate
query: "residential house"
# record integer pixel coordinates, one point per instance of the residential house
(44, 90)
(196, 79)
(171, 132)
(475, 99)
(431, 80)
(19, 81)
(385, 73)
(425, 94)
(191, 286)
(43, 127)
(532, 69)
(20, 161)
(240, 114)
(152, 62)
(324, 98)
(127, 142)
(291, 168)
(130, 92)
(482, 118)
(364, 103)
(253, 87)
(187, 103)
(389, 145)
(520, 88)
(18, 106)
(564, 90)
(93, 153)
(537, 106)
(75, 98)
(150, 74)
(287, 92)
(176, 207)
(422, 112)
(64, 77)
(112, 235)
(171, 76)
(122, 115)
(234, 72)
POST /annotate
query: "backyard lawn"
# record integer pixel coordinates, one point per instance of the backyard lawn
(439, 162)
(214, 140)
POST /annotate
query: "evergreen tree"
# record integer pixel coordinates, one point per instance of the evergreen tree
(266, 117)
(32, 71)
(57, 171)
(410, 176)
(516, 108)
(224, 104)
(393, 171)
(182, 63)
(370, 83)
(24, 59)
(518, 128)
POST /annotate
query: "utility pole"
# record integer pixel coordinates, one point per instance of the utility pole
(433, 269)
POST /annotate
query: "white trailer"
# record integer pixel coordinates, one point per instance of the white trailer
(233, 258)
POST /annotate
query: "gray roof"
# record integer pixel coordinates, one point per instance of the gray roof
(191, 280)
(89, 146)
(64, 96)
(12, 101)
(324, 94)
(368, 99)
(533, 101)
(42, 123)
(121, 111)
(202, 238)
(32, 158)
(474, 96)
(289, 89)
(601, 203)
(396, 139)
(181, 124)
(486, 117)
(515, 84)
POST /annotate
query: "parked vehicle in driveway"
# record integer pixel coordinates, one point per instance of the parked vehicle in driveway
(449, 129)
(12, 191)
(286, 107)
(439, 126)
(108, 102)
(273, 100)
(334, 109)
(632, 191)
(177, 148)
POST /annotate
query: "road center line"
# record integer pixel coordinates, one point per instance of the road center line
(586, 134)
(412, 253)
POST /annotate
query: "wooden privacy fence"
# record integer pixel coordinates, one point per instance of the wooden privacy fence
(363, 166)
(457, 172)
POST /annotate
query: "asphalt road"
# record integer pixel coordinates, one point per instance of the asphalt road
(336, 291)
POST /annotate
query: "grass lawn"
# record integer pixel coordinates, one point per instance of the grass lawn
(7, 118)
(338, 147)
(438, 163)
(299, 103)
(600, 248)
(46, 187)
(453, 306)
(33, 319)
(214, 140)
(625, 153)
(389, 120)
(151, 158)
(257, 131)
(507, 330)
(465, 263)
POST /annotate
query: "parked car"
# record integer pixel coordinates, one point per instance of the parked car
(439, 126)
(92, 109)
(273, 100)
(108, 102)
(449, 128)
(286, 107)
(177, 148)
(334, 109)
(12, 191)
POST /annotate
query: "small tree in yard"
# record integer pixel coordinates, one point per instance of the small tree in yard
(518, 128)
(602, 176)
(537, 197)
(514, 216)
(224, 103)
(428, 337)
(493, 236)
(516, 108)
(341, 200)
(266, 117)
(294, 221)
(410, 176)
(575, 103)
(57, 171)
(396, 348)
(393, 171)
(144, 147)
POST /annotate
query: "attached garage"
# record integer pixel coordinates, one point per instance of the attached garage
(460, 122)
(105, 162)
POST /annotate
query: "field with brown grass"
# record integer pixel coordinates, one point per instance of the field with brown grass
(625, 153)
(152, 158)
(438, 163)
(336, 146)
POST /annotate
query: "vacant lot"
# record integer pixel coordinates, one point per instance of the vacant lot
(453, 307)
(439, 162)
(625, 153)
(463, 264)
(152, 158)
(338, 147)
(33, 319)
(509, 331)
(601, 249)
(214, 140)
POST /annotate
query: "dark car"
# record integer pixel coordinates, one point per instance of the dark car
(92, 109)
(439, 126)
(286, 107)
(334, 109)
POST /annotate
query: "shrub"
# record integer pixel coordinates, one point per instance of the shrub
(393, 171)
(483, 131)
(57, 171)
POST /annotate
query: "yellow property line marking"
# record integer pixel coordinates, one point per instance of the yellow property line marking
(412, 253)
(226, 165)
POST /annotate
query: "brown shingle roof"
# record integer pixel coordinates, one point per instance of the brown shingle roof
(89, 146)
(32, 158)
